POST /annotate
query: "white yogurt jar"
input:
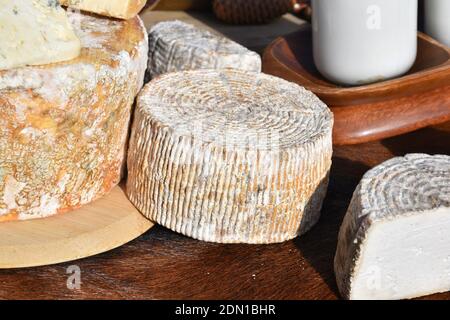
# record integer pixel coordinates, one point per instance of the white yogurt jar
(362, 41)
(437, 20)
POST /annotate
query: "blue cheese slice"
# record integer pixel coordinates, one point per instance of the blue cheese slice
(35, 32)
(394, 242)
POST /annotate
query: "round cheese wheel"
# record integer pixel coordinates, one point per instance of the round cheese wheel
(230, 156)
(63, 126)
(178, 46)
(394, 242)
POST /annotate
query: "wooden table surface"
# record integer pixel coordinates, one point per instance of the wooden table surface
(164, 265)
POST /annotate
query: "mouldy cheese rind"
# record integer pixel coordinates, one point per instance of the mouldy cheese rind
(394, 242)
(230, 156)
(122, 9)
(34, 33)
(64, 126)
(178, 46)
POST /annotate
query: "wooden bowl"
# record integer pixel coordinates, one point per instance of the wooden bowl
(370, 112)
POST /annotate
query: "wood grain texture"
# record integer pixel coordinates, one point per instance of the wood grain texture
(374, 111)
(95, 228)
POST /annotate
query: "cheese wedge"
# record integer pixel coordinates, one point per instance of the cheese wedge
(178, 46)
(123, 9)
(230, 156)
(394, 242)
(35, 32)
(64, 127)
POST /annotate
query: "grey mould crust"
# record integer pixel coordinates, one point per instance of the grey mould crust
(177, 46)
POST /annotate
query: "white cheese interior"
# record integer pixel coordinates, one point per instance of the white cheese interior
(405, 257)
(35, 32)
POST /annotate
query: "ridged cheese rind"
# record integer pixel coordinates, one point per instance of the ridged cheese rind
(403, 187)
(34, 33)
(122, 9)
(64, 126)
(179, 46)
(230, 156)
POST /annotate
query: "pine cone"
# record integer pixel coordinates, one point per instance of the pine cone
(250, 11)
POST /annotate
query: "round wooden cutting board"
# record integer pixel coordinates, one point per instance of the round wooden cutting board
(98, 227)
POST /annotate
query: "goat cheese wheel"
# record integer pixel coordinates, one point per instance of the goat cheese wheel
(178, 46)
(230, 156)
(64, 126)
(394, 242)
(34, 33)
